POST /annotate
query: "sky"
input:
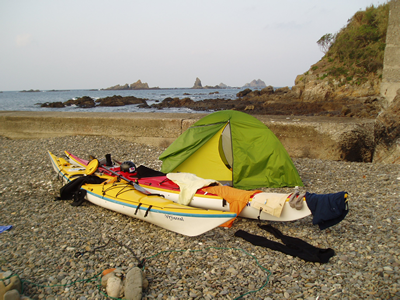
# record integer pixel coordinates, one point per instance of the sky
(85, 44)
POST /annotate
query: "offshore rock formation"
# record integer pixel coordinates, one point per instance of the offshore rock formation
(197, 84)
(222, 85)
(256, 84)
(30, 91)
(138, 85)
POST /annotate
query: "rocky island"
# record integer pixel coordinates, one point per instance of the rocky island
(198, 85)
(138, 85)
(30, 91)
(258, 84)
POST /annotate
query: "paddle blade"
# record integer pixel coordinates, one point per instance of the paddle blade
(92, 167)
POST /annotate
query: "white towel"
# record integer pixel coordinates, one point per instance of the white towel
(189, 184)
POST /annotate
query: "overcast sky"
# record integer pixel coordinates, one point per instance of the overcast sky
(52, 44)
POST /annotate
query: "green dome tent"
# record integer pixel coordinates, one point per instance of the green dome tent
(232, 147)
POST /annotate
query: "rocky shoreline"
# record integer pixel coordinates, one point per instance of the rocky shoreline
(46, 234)
(267, 101)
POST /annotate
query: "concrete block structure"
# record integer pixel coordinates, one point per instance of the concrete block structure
(391, 65)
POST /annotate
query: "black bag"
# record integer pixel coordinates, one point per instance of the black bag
(72, 190)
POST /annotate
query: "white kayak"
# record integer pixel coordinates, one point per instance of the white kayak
(122, 197)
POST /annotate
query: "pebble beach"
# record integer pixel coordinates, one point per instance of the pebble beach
(46, 234)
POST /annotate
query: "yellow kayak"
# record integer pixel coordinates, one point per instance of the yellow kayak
(121, 196)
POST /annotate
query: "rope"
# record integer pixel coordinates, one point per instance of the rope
(141, 262)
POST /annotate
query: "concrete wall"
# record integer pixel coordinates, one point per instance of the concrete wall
(312, 137)
(146, 128)
(391, 67)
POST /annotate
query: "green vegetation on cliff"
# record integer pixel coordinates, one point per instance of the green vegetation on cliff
(357, 50)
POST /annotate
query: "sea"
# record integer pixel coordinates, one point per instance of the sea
(30, 101)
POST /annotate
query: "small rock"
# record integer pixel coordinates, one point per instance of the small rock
(105, 278)
(5, 274)
(134, 284)
(114, 286)
(388, 269)
(12, 295)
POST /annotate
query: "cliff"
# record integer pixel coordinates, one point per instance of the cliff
(316, 85)
(353, 61)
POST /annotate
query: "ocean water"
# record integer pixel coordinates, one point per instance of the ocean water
(30, 101)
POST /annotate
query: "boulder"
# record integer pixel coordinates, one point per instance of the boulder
(283, 90)
(244, 93)
(174, 102)
(120, 101)
(268, 90)
(57, 104)
(387, 133)
(82, 102)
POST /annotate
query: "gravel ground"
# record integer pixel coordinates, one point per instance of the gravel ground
(46, 234)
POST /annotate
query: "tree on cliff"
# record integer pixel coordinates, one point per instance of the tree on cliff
(325, 42)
